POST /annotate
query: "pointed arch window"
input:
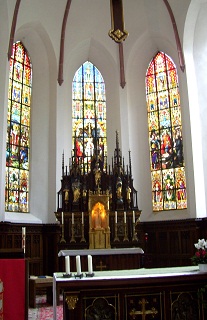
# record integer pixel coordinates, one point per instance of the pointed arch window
(165, 135)
(89, 115)
(18, 131)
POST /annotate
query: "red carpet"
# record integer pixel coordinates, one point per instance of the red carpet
(44, 311)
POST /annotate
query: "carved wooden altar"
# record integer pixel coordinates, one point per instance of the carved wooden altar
(97, 203)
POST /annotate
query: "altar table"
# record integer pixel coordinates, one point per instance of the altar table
(164, 293)
(106, 259)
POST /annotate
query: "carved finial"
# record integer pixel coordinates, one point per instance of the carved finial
(130, 164)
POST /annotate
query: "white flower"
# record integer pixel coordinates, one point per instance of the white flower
(202, 244)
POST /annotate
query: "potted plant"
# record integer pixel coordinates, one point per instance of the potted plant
(200, 257)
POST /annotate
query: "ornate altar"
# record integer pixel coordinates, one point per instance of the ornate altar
(97, 203)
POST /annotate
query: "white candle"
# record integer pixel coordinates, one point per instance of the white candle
(133, 217)
(23, 238)
(78, 265)
(90, 265)
(23, 231)
(67, 264)
(124, 216)
(62, 218)
(72, 218)
(82, 218)
(116, 217)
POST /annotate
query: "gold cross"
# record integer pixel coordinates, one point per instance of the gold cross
(101, 267)
(143, 312)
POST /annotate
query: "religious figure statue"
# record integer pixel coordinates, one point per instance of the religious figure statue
(66, 194)
(97, 172)
(76, 194)
(119, 189)
(129, 194)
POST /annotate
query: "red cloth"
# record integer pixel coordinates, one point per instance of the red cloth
(12, 273)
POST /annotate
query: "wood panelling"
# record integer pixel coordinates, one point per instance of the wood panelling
(166, 243)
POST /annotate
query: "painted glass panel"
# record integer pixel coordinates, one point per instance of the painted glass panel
(18, 131)
(165, 135)
(89, 114)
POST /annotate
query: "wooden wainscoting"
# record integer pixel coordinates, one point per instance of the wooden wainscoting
(165, 243)
(171, 243)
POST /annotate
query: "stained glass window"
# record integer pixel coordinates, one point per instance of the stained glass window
(165, 135)
(89, 115)
(18, 131)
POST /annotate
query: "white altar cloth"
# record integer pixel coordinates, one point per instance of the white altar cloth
(100, 252)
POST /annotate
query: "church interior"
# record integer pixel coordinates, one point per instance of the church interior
(102, 152)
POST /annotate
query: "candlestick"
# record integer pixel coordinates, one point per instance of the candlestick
(82, 234)
(72, 231)
(134, 238)
(62, 240)
(116, 238)
(67, 265)
(90, 265)
(23, 238)
(133, 217)
(23, 231)
(78, 267)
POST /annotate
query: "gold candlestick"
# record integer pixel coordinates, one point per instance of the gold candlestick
(116, 238)
(72, 234)
(82, 234)
(125, 232)
(134, 233)
(62, 240)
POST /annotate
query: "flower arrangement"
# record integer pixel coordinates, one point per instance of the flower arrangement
(200, 256)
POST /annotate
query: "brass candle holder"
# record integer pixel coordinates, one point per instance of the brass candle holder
(62, 240)
(72, 234)
(82, 233)
(116, 238)
(125, 232)
(134, 238)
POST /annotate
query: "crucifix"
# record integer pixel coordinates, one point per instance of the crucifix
(133, 313)
(118, 33)
(101, 266)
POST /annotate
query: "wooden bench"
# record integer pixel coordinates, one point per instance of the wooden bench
(36, 283)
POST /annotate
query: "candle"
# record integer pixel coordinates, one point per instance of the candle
(62, 218)
(116, 217)
(72, 218)
(82, 218)
(133, 217)
(90, 265)
(78, 265)
(124, 216)
(23, 231)
(23, 238)
(67, 264)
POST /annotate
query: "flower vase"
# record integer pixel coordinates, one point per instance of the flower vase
(203, 267)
